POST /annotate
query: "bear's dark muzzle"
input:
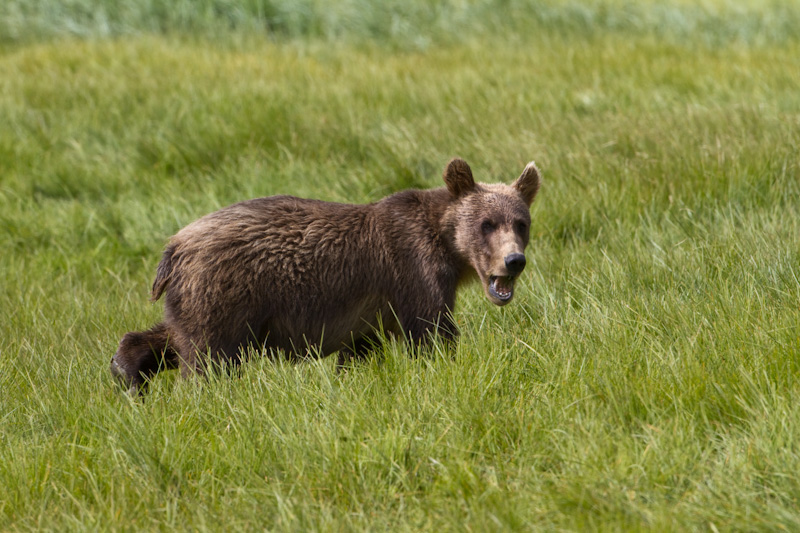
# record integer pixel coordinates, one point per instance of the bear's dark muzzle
(515, 263)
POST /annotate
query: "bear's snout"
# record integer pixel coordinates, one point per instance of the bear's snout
(515, 263)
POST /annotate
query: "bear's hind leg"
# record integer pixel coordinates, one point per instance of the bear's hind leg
(141, 355)
(200, 354)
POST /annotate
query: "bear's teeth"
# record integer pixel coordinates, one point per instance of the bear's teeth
(502, 286)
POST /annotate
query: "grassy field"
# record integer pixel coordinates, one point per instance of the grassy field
(644, 378)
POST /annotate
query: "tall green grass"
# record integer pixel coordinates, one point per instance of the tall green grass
(644, 378)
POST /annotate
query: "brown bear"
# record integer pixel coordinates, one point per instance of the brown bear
(308, 277)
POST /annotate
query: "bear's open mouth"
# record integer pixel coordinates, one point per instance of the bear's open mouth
(501, 287)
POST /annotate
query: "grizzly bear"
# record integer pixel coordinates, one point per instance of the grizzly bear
(307, 277)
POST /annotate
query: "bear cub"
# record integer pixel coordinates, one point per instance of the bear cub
(308, 277)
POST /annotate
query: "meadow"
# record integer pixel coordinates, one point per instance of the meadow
(644, 377)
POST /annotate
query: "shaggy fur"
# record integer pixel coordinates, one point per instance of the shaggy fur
(306, 276)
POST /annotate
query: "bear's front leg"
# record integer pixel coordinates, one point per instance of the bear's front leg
(422, 329)
(357, 351)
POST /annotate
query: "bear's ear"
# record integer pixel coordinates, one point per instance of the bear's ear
(528, 183)
(458, 177)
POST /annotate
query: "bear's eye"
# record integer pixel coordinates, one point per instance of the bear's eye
(487, 227)
(520, 227)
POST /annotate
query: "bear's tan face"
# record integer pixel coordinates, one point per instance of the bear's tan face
(492, 232)
(492, 225)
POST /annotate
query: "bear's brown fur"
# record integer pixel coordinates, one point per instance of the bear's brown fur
(306, 276)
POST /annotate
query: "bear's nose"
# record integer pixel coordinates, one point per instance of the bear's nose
(515, 263)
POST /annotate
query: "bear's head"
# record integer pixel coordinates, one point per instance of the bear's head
(491, 224)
